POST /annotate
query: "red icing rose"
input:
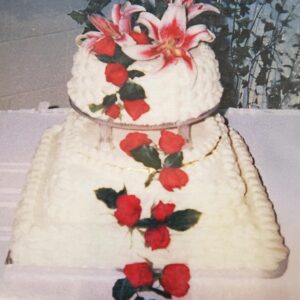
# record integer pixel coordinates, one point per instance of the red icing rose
(175, 279)
(116, 74)
(162, 210)
(170, 142)
(135, 108)
(113, 111)
(140, 37)
(139, 274)
(105, 46)
(134, 140)
(128, 210)
(172, 178)
(157, 238)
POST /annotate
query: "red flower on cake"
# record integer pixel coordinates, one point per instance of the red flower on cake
(171, 39)
(135, 108)
(116, 74)
(157, 238)
(162, 210)
(134, 140)
(175, 279)
(139, 274)
(111, 33)
(128, 210)
(103, 46)
(140, 37)
(172, 178)
(113, 111)
(170, 142)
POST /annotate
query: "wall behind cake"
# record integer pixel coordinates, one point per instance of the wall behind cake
(36, 49)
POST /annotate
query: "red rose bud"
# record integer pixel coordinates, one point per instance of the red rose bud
(105, 46)
(139, 274)
(135, 108)
(134, 140)
(175, 278)
(116, 74)
(128, 210)
(172, 178)
(170, 142)
(113, 111)
(140, 37)
(162, 210)
(157, 238)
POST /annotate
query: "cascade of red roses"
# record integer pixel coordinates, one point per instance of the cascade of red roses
(132, 34)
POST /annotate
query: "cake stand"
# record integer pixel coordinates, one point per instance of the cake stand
(106, 126)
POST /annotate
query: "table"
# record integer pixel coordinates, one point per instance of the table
(273, 139)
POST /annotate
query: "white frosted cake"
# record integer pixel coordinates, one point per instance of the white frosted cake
(183, 201)
(237, 231)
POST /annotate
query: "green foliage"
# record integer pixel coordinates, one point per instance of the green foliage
(148, 156)
(109, 196)
(131, 91)
(182, 220)
(123, 290)
(174, 160)
(253, 46)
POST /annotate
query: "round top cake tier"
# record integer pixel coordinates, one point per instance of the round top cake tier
(174, 94)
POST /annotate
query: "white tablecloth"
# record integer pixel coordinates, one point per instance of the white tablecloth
(273, 139)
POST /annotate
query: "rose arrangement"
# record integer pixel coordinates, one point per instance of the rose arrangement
(171, 176)
(173, 278)
(155, 229)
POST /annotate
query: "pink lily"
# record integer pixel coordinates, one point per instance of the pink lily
(171, 38)
(117, 31)
(195, 9)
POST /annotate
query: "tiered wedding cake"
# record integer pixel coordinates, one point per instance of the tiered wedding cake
(165, 205)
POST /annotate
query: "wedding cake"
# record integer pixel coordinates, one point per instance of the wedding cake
(162, 205)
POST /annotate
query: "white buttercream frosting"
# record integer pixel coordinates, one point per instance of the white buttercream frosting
(172, 93)
(60, 222)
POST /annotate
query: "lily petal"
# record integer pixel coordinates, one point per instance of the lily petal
(195, 34)
(198, 8)
(125, 40)
(116, 13)
(93, 34)
(173, 23)
(142, 52)
(152, 23)
(124, 21)
(108, 28)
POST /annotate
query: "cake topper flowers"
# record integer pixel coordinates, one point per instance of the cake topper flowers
(171, 38)
(171, 176)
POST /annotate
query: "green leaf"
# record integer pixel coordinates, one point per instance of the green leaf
(182, 220)
(279, 8)
(121, 58)
(132, 91)
(78, 16)
(123, 290)
(95, 107)
(161, 293)
(147, 223)
(148, 156)
(135, 73)
(109, 100)
(160, 7)
(109, 196)
(105, 58)
(174, 160)
(269, 26)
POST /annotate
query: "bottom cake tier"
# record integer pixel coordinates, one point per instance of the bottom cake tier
(61, 223)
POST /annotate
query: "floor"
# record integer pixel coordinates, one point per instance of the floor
(36, 50)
